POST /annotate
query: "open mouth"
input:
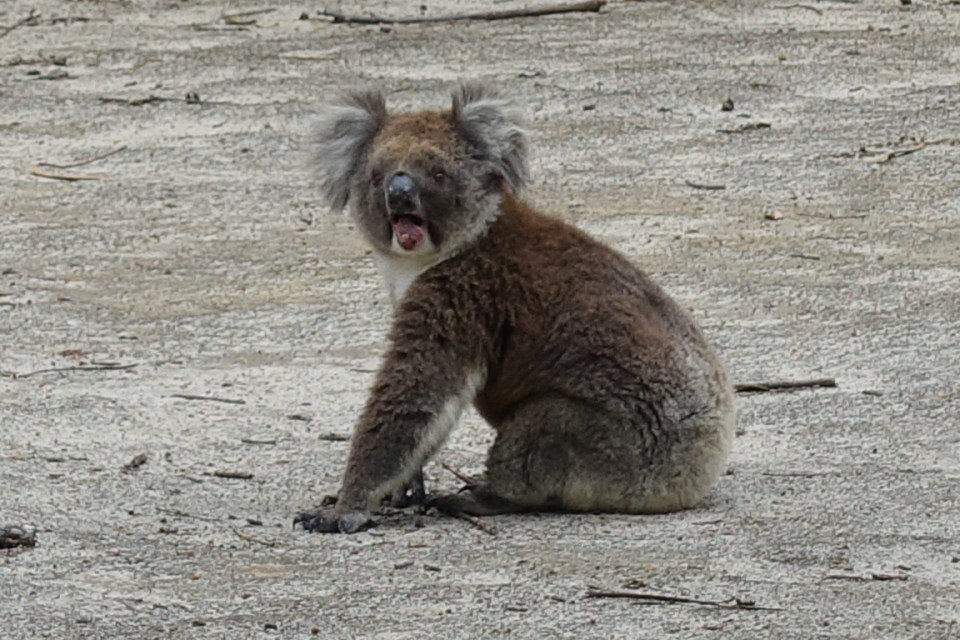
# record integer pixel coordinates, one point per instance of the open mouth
(409, 230)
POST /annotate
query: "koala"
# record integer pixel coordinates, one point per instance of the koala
(604, 394)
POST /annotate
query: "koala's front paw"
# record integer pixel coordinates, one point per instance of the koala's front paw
(331, 522)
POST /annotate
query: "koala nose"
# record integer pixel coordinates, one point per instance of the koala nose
(401, 190)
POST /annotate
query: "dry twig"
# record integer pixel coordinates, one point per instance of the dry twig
(96, 367)
(870, 577)
(40, 172)
(462, 477)
(183, 514)
(798, 474)
(232, 475)
(658, 598)
(764, 387)
(31, 18)
(136, 102)
(242, 18)
(81, 163)
(750, 126)
(884, 158)
(707, 187)
(487, 528)
(802, 6)
(506, 14)
(243, 536)
(189, 396)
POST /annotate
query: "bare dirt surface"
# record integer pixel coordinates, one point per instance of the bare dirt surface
(198, 261)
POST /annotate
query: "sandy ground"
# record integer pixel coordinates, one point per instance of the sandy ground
(199, 261)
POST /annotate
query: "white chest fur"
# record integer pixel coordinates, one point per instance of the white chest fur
(399, 271)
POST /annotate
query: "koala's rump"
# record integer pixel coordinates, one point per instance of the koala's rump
(581, 324)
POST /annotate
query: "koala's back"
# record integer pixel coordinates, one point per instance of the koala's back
(570, 321)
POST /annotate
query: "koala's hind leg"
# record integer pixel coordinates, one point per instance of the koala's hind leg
(554, 453)
(477, 500)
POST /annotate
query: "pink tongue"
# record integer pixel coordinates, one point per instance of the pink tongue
(408, 234)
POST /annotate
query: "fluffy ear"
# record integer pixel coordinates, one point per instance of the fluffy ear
(341, 139)
(495, 127)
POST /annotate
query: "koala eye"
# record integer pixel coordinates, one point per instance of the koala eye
(440, 176)
(376, 178)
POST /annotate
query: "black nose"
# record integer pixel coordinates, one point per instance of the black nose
(401, 190)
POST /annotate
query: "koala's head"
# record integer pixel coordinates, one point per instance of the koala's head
(423, 182)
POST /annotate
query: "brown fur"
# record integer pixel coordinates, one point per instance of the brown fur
(603, 392)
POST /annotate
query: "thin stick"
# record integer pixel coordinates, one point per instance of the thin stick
(80, 163)
(507, 14)
(459, 474)
(183, 514)
(665, 599)
(802, 6)
(708, 187)
(188, 396)
(798, 474)
(136, 102)
(40, 172)
(232, 475)
(246, 14)
(108, 367)
(881, 577)
(764, 387)
(31, 17)
(477, 522)
(243, 536)
(884, 158)
(856, 216)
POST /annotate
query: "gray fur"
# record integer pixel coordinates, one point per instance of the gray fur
(343, 133)
(604, 393)
(495, 126)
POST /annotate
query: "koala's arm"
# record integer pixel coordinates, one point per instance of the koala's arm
(433, 369)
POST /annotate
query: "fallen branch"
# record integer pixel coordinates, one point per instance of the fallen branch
(507, 14)
(99, 367)
(40, 172)
(243, 18)
(708, 187)
(880, 577)
(81, 163)
(136, 102)
(801, 6)
(657, 598)
(232, 475)
(751, 126)
(764, 387)
(188, 396)
(462, 477)
(31, 18)
(477, 522)
(798, 474)
(183, 514)
(855, 216)
(243, 536)
(884, 158)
